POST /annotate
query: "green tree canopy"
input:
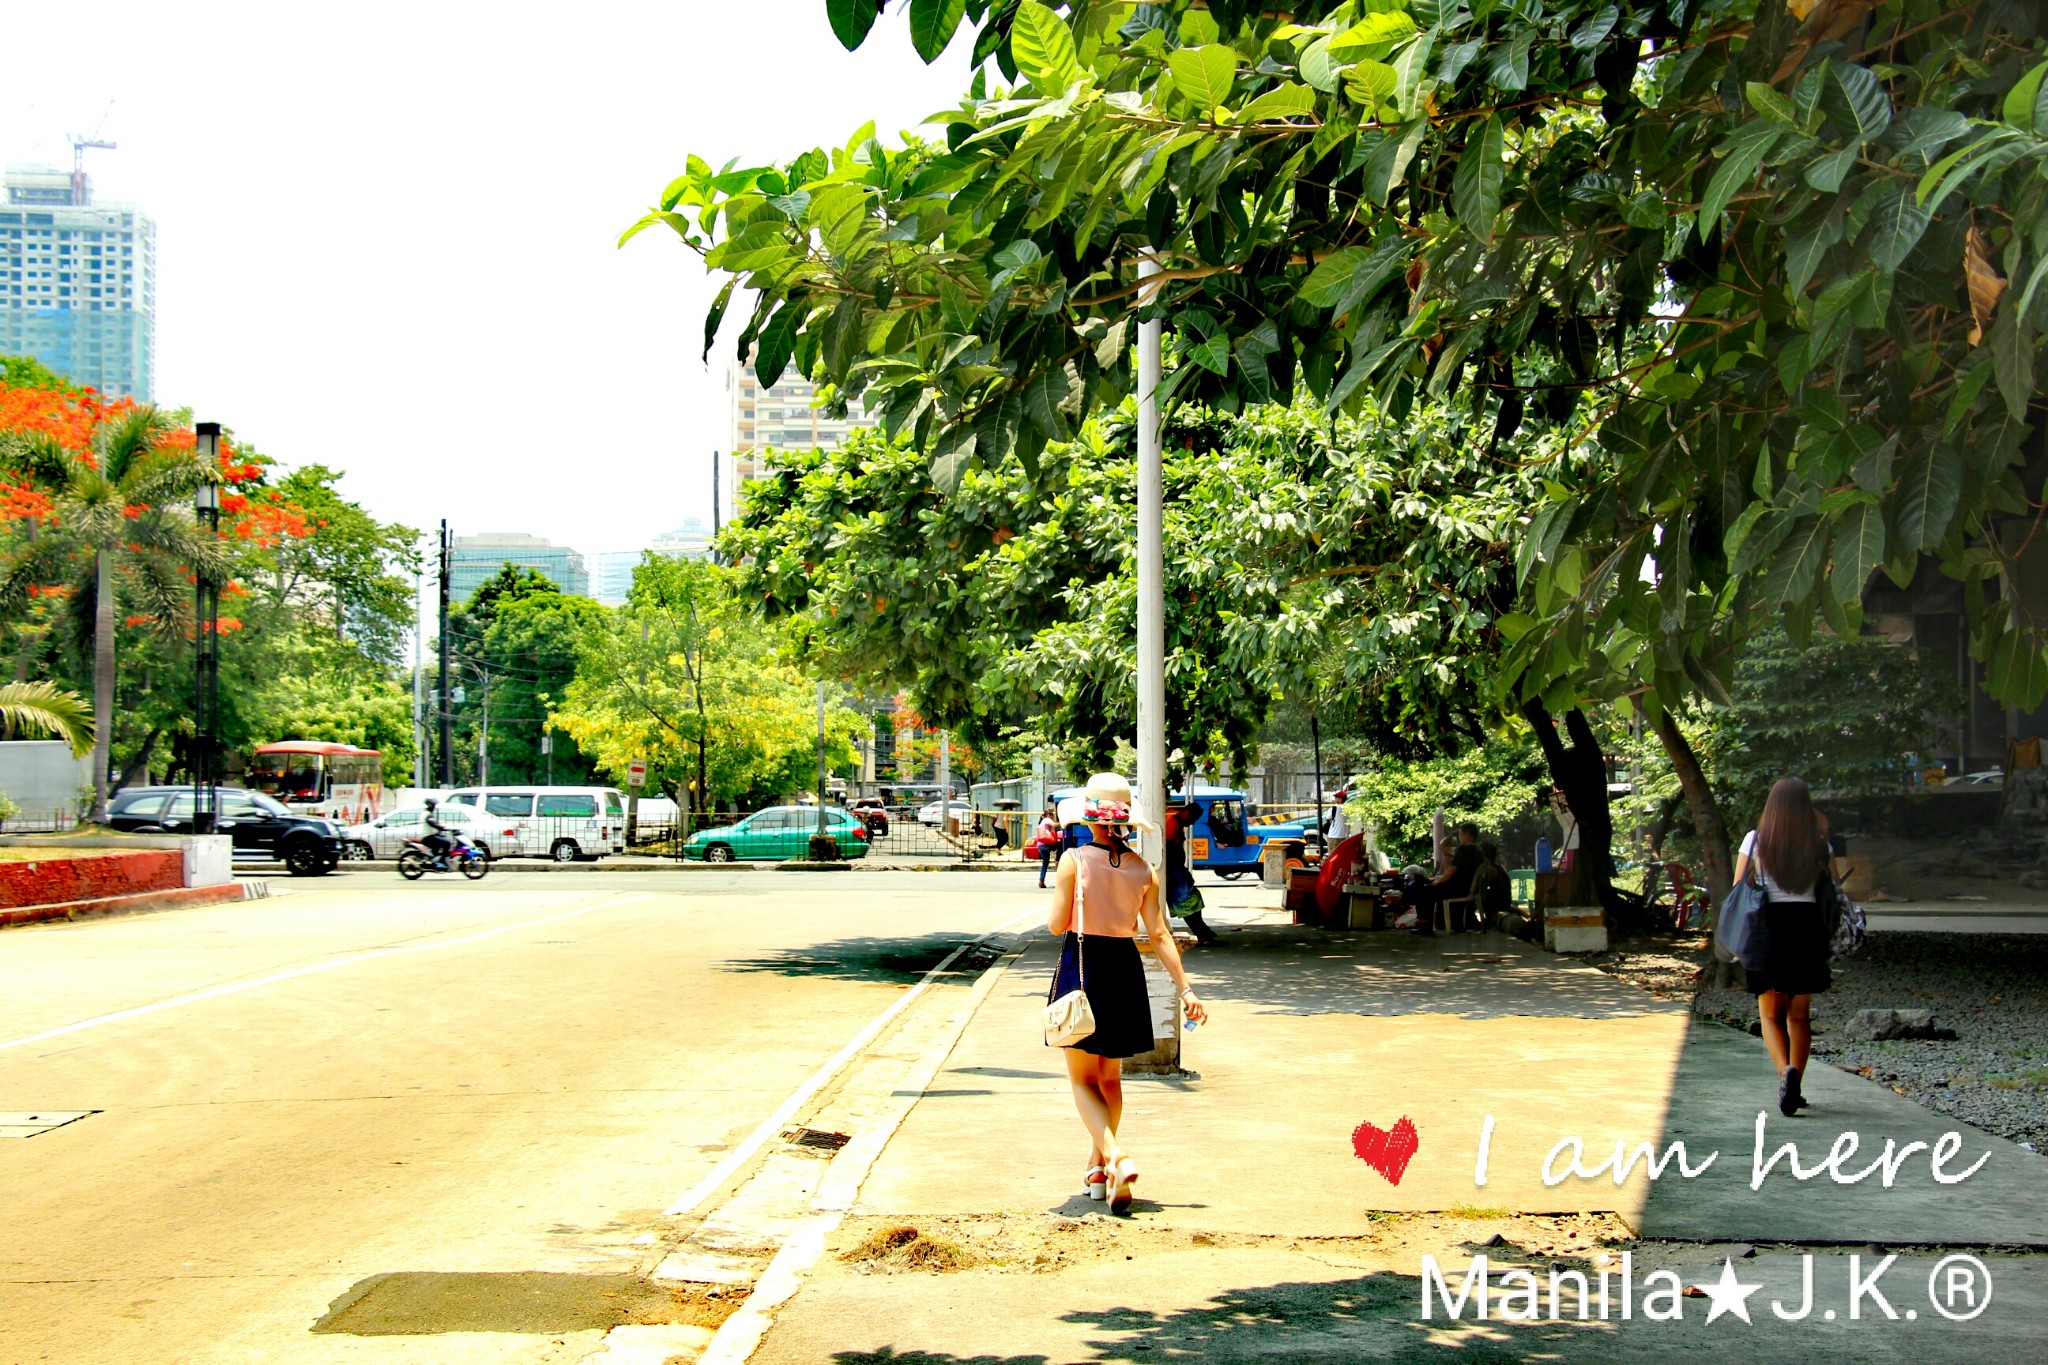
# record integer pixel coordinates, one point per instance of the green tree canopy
(688, 679)
(1775, 268)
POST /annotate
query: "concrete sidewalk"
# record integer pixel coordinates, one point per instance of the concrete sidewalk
(1259, 1232)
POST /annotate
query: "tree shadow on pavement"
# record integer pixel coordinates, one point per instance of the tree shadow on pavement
(888, 960)
(1287, 970)
(1373, 1318)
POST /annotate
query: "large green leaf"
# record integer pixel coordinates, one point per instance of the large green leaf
(1047, 398)
(1475, 189)
(932, 24)
(1895, 225)
(1742, 153)
(2026, 104)
(1860, 101)
(1925, 501)
(1043, 47)
(1345, 278)
(776, 343)
(1510, 67)
(1795, 567)
(1372, 36)
(851, 20)
(1859, 549)
(1290, 100)
(2018, 675)
(2012, 362)
(1204, 75)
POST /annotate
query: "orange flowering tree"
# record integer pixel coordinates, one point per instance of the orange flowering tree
(100, 492)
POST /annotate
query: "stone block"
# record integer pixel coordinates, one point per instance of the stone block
(1877, 1026)
(1575, 938)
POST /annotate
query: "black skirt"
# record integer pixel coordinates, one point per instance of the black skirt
(1796, 952)
(1115, 983)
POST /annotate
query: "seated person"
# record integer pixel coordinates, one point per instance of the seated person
(1493, 886)
(1453, 883)
(440, 843)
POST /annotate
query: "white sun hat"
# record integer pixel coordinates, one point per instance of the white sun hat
(1106, 800)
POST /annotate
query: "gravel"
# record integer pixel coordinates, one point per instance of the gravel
(1992, 989)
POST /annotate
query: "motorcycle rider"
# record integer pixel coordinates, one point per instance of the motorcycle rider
(440, 842)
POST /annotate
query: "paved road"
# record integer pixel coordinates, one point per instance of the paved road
(360, 1077)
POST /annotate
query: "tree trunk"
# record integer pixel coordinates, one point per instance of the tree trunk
(139, 765)
(1706, 811)
(102, 683)
(1580, 771)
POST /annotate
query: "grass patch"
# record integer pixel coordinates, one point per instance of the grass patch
(906, 1248)
(2025, 1080)
(1476, 1211)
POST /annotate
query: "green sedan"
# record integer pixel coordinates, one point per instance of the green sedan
(777, 833)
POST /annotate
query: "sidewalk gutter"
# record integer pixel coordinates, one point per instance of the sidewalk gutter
(740, 1335)
(142, 902)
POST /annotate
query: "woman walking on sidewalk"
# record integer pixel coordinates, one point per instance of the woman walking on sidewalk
(1789, 848)
(1101, 893)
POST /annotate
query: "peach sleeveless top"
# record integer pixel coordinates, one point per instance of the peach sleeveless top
(1109, 896)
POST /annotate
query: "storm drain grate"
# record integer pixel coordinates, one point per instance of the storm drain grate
(22, 1124)
(816, 1139)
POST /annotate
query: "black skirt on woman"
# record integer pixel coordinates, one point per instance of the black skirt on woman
(1115, 983)
(1796, 952)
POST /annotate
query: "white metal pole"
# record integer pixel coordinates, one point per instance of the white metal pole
(1151, 580)
(945, 781)
(821, 758)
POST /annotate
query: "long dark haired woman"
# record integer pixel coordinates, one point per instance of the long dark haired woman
(1102, 892)
(1789, 848)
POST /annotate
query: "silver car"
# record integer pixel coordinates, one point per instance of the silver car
(387, 835)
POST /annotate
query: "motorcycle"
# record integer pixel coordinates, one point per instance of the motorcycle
(417, 860)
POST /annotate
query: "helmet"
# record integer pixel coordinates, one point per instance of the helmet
(432, 803)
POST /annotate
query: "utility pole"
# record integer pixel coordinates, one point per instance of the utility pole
(423, 758)
(717, 506)
(445, 728)
(483, 736)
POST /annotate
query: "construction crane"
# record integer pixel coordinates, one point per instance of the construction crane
(80, 197)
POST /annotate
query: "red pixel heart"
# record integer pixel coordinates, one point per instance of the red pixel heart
(1386, 1152)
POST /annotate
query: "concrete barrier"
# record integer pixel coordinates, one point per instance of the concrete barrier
(209, 859)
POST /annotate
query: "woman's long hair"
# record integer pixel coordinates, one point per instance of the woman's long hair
(1788, 837)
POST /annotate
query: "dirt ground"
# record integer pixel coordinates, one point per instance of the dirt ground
(1042, 1244)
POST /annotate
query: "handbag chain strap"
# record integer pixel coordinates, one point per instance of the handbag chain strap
(1080, 924)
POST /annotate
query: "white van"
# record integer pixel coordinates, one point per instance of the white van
(562, 823)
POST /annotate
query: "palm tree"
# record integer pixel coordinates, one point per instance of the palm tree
(43, 708)
(113, 533)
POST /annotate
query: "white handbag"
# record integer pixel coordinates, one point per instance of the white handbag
(1070, 1019)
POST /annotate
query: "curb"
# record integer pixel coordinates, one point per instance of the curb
(140, 903)
(521, 865)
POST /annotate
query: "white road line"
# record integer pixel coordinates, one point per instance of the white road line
(773, 1125)
(236, 987)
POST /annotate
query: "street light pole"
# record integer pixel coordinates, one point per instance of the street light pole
(206, 642)
(444, 724)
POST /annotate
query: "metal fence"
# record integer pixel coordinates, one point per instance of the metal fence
(51, 820)
(895, 834)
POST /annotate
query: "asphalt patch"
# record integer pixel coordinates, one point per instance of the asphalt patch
(427, 1303)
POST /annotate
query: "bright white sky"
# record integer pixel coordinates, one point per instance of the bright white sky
(386, 231)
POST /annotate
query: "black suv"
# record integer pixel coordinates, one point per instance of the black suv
(260, 825)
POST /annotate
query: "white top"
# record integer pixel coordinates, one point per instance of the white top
(1771, 887)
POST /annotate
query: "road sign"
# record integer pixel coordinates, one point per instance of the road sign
(636, 773)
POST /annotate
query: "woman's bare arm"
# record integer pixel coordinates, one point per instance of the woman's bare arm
(1061, 917)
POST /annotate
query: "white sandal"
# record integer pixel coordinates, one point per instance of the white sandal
(1095, 1182)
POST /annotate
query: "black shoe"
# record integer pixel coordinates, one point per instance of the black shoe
(1789, 1099)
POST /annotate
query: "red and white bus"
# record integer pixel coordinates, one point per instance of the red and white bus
(337, 781)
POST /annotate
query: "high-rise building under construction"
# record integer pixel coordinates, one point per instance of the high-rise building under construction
(77, 281)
